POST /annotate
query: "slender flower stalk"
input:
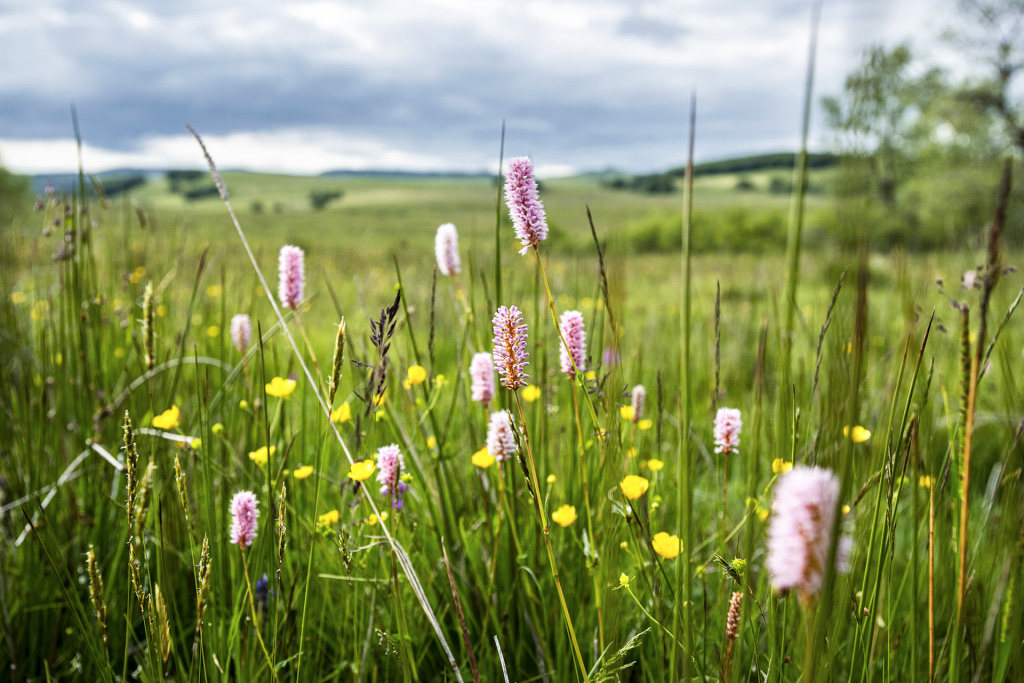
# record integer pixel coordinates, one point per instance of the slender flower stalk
(481, 373)
(571, 353)
(291, 276)
(524, 206)
(446, 249)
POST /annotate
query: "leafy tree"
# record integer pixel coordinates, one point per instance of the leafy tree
(319, 199)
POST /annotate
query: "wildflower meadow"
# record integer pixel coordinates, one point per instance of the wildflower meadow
(237, 449)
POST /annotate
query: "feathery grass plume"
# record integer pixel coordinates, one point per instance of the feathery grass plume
(202, 591)
(390, 462)
(241, 331)
(501, 443)
(244, 513)
(96, 592)
(510, 334)
(804, 507)
(481, 373)
(446, 249)
(381, 331)
(282, 528)
(148, 342)
(159, 623)
(639, 400)
(339, 361)
(291, 276)
(571, 353)
(728, 424)
(145, 493)
(524, 206)
(131, 460)
(137, 585)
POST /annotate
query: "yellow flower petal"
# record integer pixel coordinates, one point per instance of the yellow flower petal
(531, 394)
(342, 413)
(633, 486)
(417, 375)
(212, 331)
(431, 442)
(259, 456)
(924, 481)
(779, 466)
(303, 472)
(564, 516)
(482, 458)
(655, 465)
(329, 518)
(361, 471)
(167, 419)
(214, 290)
(645, 424)
(623, 579)
(860, 435)
(626, 412)
(666, 546)
(217, 429)
(551, 479)
(280, 387)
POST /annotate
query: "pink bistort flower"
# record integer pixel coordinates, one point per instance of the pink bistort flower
(501, 444)
(510, 354)
(639, 399)
(524, 206)
(244, 514)
(389, 474)
(446, 249)
(803, 510)
(728, 424)
(481, 373)
(241, 331)
(571, 352)
(291, 276)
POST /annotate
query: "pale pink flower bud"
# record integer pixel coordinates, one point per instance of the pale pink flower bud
(570, 324)
(803, 510)
(481, 372)
(244, 514)
(524, 206)
(510, 354)
(728, 424)
(500, 442)
(241, 331)
(446, 248)
(639, 399)
(291, 276)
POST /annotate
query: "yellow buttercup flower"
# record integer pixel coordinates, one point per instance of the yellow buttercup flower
(167, 419)
(361, 471)
(259, 456)
(655, 465)
(379, 399)
(846, 509)
(626, 412)
(329, 518)
(212, 331)
(666, 546)
(860, 435)
(633, 486)
(18, 298)
(373, 519)
(924, 481)
(531, 393)
(623, 579)
(631, 452)
(564, 516)
(280, 387)
(551, 479)
(161, 311)
(762, 513)
(303, 472)
(214, 290)
(197, 444)
(217, 429)
(645, 424)
(417, 375)
(779, 466)
(482, 458)
(431, 442)
(119, 352)
(342, 413)
(590, 374)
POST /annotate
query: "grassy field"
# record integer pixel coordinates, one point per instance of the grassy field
(462, 578)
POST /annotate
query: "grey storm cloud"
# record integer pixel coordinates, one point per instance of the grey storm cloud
(584, 84)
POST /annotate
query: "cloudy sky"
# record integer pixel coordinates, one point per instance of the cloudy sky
(311, 85)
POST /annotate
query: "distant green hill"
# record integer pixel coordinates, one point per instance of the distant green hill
(760, 162)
